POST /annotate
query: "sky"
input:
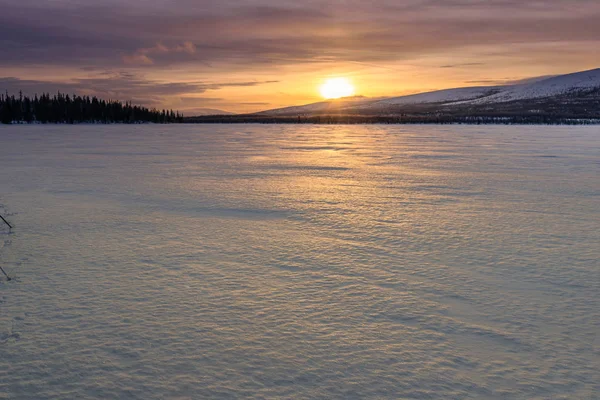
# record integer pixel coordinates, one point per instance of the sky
(252, 55)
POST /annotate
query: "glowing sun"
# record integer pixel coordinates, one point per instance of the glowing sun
(334, 88)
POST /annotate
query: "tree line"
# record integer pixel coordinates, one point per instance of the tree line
(72, 109)
(399, 119)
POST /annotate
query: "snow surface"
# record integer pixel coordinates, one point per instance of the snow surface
(553, 86)
(563, 84)
(440, 96)
(252, 261)
(332, 106)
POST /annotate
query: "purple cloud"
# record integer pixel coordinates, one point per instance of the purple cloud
(234, 36)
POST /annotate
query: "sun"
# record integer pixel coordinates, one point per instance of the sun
(334, 88)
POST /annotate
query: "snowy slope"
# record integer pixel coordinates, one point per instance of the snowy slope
(323, 106)
(563, 84)
(440, 96)
(533, 89)
(553, 86)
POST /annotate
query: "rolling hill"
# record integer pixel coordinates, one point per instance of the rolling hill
(576, 94)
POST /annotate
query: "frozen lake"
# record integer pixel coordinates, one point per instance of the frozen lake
(249, 261)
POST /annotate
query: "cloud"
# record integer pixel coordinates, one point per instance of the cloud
(142, 56)
(137, 59)
(198, 39)
(259, 32)
(122, 86)
(472, 64)
(490, 82)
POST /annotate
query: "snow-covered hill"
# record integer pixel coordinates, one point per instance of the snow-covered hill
(570, 84)
(329, 106)
(439, 96)
(558, 85)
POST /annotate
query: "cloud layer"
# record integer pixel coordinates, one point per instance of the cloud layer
(232, 37)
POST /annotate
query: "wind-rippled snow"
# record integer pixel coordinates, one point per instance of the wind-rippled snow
(250, 261)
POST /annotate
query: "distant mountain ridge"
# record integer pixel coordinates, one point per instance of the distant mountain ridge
(210, 111)
(321, 107)
(576, 93)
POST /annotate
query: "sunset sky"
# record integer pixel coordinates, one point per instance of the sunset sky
(252, 55)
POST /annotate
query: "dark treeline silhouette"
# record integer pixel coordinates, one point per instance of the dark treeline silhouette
(404, 119)
(61, 108)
